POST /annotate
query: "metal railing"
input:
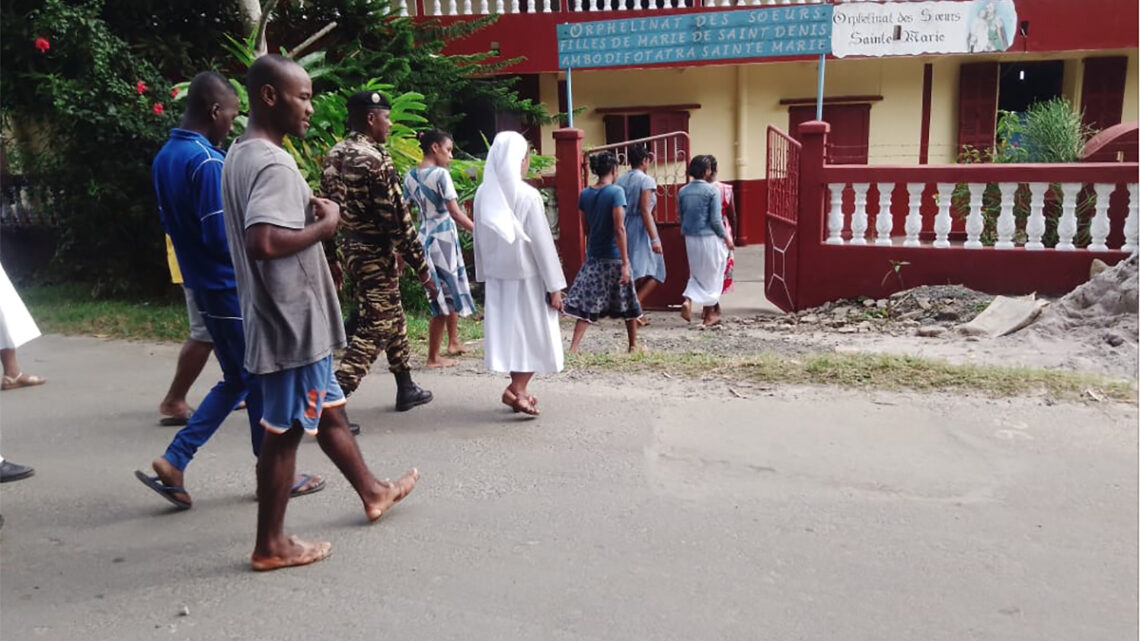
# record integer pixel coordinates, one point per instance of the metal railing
(668, 162)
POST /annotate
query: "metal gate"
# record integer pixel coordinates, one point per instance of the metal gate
(781, 259)
(668, 163)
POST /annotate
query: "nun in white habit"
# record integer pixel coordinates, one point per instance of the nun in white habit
(515, 256)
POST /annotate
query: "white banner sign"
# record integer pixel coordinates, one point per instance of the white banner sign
(916, 28)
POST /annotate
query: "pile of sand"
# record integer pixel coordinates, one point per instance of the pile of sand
(1103, 310)
(1093, 327)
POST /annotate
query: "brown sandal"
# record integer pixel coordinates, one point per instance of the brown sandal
(21, 380)
(510, 399)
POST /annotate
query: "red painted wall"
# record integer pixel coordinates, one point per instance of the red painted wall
(1054, 25)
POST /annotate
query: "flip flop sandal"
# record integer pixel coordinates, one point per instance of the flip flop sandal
(21, 380)
(301, 482)
(176, 421)
(165, 491)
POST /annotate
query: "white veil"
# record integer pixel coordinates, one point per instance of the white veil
(502, 181)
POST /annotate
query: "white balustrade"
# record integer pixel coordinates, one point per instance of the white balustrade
(942, 220)
(637, 5)
(546, 6)
(454, 8)
(436, 8)
(621, 5)
(914, 214)
(1069, 194)
(884, 222)
(593, 5)
(835, 215)
(1006, 224)
(1067, 227)
(403, 7)
(652, 4)
(1035, 225)
(974, 222)
(1099, 227)
(1131, 224)
(485, 9)
(859, 217)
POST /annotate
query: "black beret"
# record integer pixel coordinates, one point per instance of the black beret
(368, 100)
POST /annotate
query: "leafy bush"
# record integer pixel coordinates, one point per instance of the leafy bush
(1048, 132)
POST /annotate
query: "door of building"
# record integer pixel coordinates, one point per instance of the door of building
(849, 140)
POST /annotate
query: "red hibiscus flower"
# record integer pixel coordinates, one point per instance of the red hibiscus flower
(174, 92)
(140, 86)
(43, 45)
(158, 109)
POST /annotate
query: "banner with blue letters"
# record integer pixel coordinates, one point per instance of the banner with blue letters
(722, 35)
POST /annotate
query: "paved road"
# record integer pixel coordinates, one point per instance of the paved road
(647, 510)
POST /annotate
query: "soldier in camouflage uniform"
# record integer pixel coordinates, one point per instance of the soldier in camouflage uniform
(375, 228)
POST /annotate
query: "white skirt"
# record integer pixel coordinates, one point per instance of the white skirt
(520, 330)
(16, 324)
(708, 257)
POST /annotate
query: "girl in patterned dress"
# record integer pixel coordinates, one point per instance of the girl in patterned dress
(604, 286)
(430, 189)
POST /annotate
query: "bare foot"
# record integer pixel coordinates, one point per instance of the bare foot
(391, 493)
(634, 349)
(712, 320)
(642, 321)
(455, 350)
(170, 477)
(687, 310)
(440, 363)
(295, 552)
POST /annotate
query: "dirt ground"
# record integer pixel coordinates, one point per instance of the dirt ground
(1093, 330)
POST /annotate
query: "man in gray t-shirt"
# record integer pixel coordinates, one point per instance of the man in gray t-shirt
(290, 305)
(292, 316)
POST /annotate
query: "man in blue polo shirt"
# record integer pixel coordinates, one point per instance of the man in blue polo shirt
(188, 179)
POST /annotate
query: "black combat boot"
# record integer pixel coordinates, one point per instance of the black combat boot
(408, 394)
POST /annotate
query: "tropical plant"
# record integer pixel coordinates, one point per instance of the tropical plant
(1048, 132)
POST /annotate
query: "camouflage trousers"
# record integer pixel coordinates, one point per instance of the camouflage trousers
(379, 314)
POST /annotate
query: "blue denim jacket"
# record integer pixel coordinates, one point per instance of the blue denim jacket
(699, 204)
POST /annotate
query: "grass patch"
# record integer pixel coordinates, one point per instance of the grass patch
(69, 309)
(869, 371)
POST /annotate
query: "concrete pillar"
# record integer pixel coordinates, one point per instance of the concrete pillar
(569, 183)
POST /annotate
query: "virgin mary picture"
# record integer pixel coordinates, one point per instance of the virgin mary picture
(991, 26)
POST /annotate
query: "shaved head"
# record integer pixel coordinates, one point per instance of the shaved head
(211, 106)
(270, 69)
(207, 89)
(280, 95)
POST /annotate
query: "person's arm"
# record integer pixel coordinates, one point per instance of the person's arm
(394, 219)
(458, 216)
(713, 220)
(647, 220)
(207, 183)
(543, 249)
(266, 241)
(334, 189)
(619, 239)
(451, 197)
